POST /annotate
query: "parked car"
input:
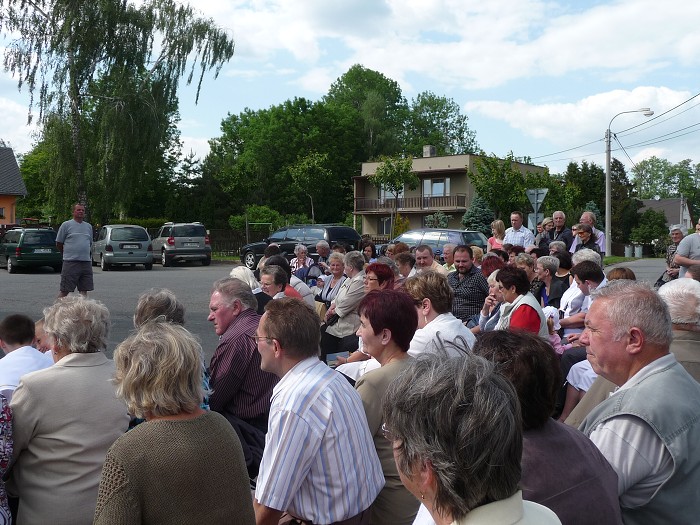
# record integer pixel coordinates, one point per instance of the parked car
(436, 238)
(30, 248)
(288, 237)
(176, 242)
(118, 244)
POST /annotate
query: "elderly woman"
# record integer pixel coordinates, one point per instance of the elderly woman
(330, 286)
(498, 231)
(378, 276)
(184, 465)
(342, 319)
(244, 274)
(586, 238)
(390, 251)
(387, 322)
(438, 330)
(551, 448)
(546, 268)
(526, 262)
(520, 310)
(542, 239)
(66, 418)
(491, 311)
(455, 429)
(302, 259)
(159, 304)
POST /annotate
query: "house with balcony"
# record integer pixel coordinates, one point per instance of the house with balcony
(444, 186)
(11, 186)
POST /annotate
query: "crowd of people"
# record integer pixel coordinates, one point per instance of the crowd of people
(521, 385)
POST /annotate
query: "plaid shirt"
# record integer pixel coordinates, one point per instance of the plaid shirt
(470, 293)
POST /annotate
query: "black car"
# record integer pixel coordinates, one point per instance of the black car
(288, 237)
(436, 238)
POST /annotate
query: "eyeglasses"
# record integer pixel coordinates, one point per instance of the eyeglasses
(257, 338)
(370, 278)
(581, 232)
(388, 434)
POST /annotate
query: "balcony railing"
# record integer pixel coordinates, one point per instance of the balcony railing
(449, 202)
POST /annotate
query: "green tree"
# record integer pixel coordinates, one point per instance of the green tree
(122, 55)
(652, 226)
(479, 216)
(625, 206)
(312, 177)
(393, 175)
(437, 220)
(438, 121)
(661, 178)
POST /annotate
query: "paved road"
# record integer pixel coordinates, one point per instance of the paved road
(29, 292)
(645, 269)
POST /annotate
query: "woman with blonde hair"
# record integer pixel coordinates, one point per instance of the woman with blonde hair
(498, 229)
(184, 464)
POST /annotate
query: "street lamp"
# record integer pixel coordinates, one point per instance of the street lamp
(608, 197)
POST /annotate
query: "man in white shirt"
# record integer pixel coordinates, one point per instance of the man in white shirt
(16, 338)
(517, 234)
(648, 428)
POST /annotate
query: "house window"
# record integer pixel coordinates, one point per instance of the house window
(385, 194)
(384, 226)
(2, 213)
(439, 187)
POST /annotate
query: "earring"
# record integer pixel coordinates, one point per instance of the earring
(422, 496)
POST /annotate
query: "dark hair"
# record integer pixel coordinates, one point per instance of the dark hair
(405, 258)
(295, 325)
(490, 264)
(383, 272)
(503, 254)
(271, 250)
(588, 271)
(17, 329)
(540, 252)
(516, 212)
(392, 310)
(282, 262)
(463, 248)
(339, 247)
(530, 363)
(516, 249)
(424, 248)
(369, 243)
(513, 276)
(694, 271)
(564, 260)
(401, 247)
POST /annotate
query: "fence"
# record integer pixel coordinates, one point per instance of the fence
(227, 242)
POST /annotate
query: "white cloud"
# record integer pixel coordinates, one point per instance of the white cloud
(15, 130)
(198, 145)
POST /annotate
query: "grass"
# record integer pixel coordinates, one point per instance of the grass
(614, 259)
(225, 257)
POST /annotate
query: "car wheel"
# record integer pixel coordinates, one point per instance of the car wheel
(165, 260)
(148, 266)
(249, 260)
(104, 264)
(10, 267)
(57, 268)
(206, 262)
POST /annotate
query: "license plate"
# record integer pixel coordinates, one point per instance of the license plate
(191, 244)
(42, 250)
(130, 246)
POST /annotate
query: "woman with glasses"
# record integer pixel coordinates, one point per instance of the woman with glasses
(378, 276)
(586, 237)
(388, 321)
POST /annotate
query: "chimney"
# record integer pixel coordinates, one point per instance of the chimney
(429, 151)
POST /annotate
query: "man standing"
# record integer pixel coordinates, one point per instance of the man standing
(240, 390)
(448, 251)
(588, 217)
(560, 231)
(425, 260)
(517, 234)
(648, 429)
(320, 464)
(468, 284)
(74, 240)
(688, 251)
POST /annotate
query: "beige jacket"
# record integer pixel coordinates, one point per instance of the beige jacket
(349, 296)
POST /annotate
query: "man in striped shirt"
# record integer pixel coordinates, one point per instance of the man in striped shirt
(241, 392)
(320, 464)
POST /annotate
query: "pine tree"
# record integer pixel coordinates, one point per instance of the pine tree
(479, 216)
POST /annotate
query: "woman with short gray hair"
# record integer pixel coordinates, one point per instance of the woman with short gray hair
(456, 430)
(546, 268)
(71, 404)
(302, 259)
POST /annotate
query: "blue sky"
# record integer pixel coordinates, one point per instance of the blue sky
(534, 77)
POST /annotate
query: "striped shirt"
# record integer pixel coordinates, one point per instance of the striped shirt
(319, 463)
(521, 237)
(239, 387)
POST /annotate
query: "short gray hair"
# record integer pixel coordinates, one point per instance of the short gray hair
(232, 289)
(558, 246)
(586, 254)
(355, 259)
(493, 277)
(634, 304)
(159, 303)
(549, 263)
(390, 263)
(682, 296)
(300, 248)
(159, 371)
(448, 245)
(335, 256)
(78, 324)
(323, 244)
(526, 259)
(464, 418)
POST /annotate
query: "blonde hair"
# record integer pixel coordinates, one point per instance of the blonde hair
(159, 371)
(499, 229)
(477, 255)
(430, 285)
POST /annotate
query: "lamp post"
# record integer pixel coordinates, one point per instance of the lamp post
(608, 197)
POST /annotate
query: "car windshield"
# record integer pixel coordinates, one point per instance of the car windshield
(40, 238)
(129, 234)
(189, 230)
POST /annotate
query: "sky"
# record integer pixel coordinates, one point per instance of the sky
(539, 78)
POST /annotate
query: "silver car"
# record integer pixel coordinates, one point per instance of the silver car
(122, 244)
(184, 241)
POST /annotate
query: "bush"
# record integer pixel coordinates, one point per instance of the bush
(152, 223)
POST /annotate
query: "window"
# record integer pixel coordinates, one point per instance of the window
(2, 213)
(385, 194)
(278, 236)
(436, 187)
(384, 226)
(129, 234)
